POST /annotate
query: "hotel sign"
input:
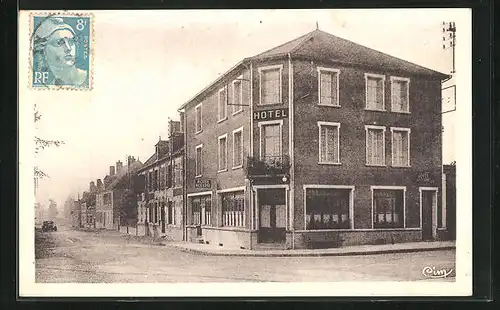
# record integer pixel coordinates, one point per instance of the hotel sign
(202, 183)
(268, 115)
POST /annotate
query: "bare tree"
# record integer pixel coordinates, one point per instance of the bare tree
(41, 144)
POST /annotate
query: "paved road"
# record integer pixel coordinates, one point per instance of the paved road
(102, 257)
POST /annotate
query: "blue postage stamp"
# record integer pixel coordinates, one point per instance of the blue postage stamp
(61, 51)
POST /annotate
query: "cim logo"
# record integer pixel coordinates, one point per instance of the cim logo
(432, 272)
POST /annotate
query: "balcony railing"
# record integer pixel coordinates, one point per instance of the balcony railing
(268, 165)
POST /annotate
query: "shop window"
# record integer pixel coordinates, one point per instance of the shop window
(233, 209)
(388, 208)
(328, 208)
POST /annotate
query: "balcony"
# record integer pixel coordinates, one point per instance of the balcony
(268, 166)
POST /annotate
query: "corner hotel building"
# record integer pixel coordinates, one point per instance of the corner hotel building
(317, 142)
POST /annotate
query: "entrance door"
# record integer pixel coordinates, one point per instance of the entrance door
(272, 216)
(163, 217)
(428, 202)
(198, 228)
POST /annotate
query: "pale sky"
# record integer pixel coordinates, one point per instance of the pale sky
(148, 63)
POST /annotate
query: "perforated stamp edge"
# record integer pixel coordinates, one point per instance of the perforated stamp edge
(90, 87)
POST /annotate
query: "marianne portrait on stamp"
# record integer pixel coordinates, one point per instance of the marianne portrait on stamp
(55, 46)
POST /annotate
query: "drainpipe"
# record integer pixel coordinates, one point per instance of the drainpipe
(250, 153)
(291, 148)
(184, 176)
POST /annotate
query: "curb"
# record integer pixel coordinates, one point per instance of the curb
(353, 253)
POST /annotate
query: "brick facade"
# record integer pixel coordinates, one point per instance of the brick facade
(274, 199)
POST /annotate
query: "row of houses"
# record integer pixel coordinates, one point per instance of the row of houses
(317, 142)
(111, 201)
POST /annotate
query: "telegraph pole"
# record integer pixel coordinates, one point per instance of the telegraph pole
(449, 40)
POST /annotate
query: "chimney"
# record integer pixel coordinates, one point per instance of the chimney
(174, 127)
(92, 187)
(100, 186)
(161, 148)
(119, 166)
(130, 161)
(111, 171)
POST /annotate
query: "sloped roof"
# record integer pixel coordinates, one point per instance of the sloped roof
(136, 165)
(322, 45)
(150, 160)
(319, 45)
(285, 48)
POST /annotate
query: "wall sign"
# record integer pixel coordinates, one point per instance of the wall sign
(267, 115)
(424, 177)
(202, 183)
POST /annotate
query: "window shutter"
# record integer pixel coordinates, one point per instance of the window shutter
(380, 95)
(326, 88)
(369, 147)
(405, 144)
(323, 141)
(377, 147)
(403, 95)
(396, 147)
(335, 143)
(334, 88)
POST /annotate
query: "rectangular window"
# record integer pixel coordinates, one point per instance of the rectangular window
(150, 181)
(222, 152)
(222, 106)
(388, 208)
(375, 145)
(328, 82)
(237, 96)
(155, 180)
(199, 160)
(329, 142)
(207, 210)
(178, 172)
(375, 92)
(169, 176)
(400, 147)
(162, 178)
(107, 198)
(270, 85)
(198, 118)
(201, 210)
(233, 209)
(271, 142)
(328, 208)
(400, 94)
(238, 148)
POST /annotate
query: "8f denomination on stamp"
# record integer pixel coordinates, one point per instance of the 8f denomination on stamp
(61, 51)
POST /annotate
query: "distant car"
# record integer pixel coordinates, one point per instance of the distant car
(49, 226)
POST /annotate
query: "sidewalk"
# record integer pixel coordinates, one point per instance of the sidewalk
(206, 249)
